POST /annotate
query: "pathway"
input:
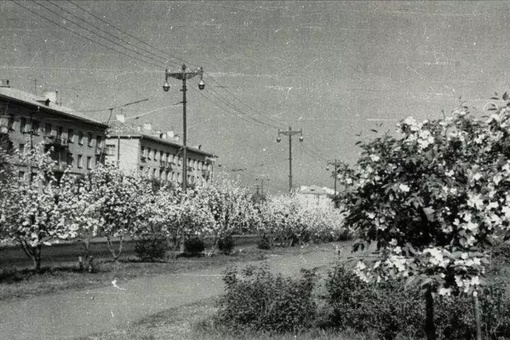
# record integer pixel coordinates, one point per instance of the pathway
(80, 313)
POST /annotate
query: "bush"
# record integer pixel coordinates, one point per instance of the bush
(259, 301)
(194, 245)
(151, 248)
(226, 245)
(389, 310)
(264, 243)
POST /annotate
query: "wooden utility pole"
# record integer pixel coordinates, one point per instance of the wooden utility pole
(290, 133)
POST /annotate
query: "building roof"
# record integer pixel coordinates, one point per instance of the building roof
(31, 99)
(314, 190)
(121, 130)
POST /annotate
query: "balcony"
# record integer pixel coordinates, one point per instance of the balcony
(57, 143)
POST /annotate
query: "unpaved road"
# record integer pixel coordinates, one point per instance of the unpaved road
(80, 313)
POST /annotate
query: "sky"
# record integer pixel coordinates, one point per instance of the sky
(335, 69)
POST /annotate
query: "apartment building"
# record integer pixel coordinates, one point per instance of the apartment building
(157, 154)
(27, 120)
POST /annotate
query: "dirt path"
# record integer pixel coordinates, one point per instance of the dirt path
(78, 314)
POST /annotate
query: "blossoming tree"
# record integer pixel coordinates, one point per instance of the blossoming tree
(31, 210)
(117, 200)
(230, 208)
(433, 198)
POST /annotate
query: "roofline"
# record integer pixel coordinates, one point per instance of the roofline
(58, 112)
(159, 140)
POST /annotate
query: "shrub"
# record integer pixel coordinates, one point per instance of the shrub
(259, 301)
(264, 243)
(151, 248)
(226, 245)
(194, 245)
(389, 310)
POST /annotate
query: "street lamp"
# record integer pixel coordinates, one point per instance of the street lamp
(290, 133)
(184, 75)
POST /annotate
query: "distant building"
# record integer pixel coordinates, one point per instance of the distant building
(27, 119)
(316, 196)
(157, 154)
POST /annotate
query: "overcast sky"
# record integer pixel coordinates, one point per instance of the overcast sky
(333, 69)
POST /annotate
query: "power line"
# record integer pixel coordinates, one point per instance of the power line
(92, 32)
(235, 97)
(108, 33)
(128, 34)
(81, 35)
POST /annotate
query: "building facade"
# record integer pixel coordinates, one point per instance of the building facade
(156, 155)
(314, 196)
(26, 120)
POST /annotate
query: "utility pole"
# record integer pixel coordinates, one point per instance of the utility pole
(336, 163)
(184, 75)
(290, 133)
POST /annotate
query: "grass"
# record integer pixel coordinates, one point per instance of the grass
(65, 276)
(22, 283)
(194, 322)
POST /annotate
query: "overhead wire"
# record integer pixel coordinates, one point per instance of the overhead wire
(127, 33)
(96, 34)
(161, 59)
(82, 35)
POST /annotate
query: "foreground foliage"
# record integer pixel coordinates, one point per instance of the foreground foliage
(257, 301)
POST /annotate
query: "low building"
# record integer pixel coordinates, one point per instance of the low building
(26, 120)
(139, 149)
(315, 196)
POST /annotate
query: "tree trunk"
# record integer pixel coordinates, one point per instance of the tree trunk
(478, 325)
(430, 327)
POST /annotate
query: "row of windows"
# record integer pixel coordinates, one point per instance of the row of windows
(34, 126)
(153, 154)
(169, 176)
(90, 161)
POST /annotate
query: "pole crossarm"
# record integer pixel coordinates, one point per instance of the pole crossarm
(186, 73)
(290, 132)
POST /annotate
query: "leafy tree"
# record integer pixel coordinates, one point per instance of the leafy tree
(31, 210)
(115, 199)
(230, 208)
(433, 198)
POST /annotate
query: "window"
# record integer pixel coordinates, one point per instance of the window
(10, 123)
(21, 148)
(80, 161)
(70, 135)
(110, 149)
(89, 162)
(90, 139)
(80, 137)
(22, 125)
(143, 151)
(99, 142)
(149, 153)
(60, 131)
(161, 155)
(153, 173)
(155, 155)
(21, 175)
(141, 168)
(35, 127)
(47, 129)
(70, 159)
